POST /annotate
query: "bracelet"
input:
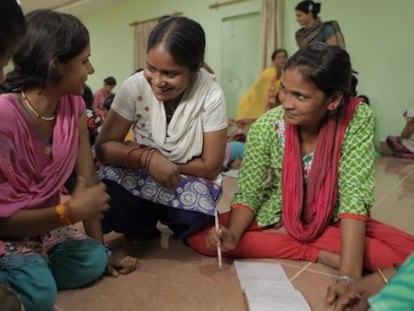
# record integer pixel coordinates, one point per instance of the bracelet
(140, 156)
(130, 151)
(345, 278)
(149, 159)
(382, 275)
(62, 211)
(146, 158)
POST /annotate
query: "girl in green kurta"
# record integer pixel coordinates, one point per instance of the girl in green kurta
(307, 179)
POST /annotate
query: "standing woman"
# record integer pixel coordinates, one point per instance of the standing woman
(44, 136)
(307, 180)
(313, 29)
(178, 111)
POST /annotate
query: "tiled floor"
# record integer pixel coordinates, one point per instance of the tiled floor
(173, 277)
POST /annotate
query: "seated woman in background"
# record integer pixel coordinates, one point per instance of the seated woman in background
(101, 94)
(107, 106)
(314, 30)
(180, 126)
(261, 96)
(43, 134)
(94, 121)
(307, 180)
(401, 146)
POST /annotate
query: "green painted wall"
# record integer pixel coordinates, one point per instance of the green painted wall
(377, 33)
(378, 36)
(112, 37)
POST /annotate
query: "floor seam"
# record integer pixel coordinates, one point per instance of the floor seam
(323, 273)
(300, 271)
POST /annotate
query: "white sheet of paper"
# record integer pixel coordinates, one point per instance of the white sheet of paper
(260, 270)
(267, 288)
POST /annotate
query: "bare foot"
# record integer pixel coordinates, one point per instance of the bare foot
(329, 259)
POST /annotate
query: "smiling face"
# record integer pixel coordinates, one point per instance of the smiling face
(75, 72)
(304, 104)
(168, 80)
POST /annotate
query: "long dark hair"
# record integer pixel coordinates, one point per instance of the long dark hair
(12, 26)
(183, 38)
(50, 35)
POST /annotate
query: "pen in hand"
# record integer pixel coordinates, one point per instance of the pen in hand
(220, 263)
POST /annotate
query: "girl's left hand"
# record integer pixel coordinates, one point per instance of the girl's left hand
(120, 263)
(352, 300)
(336, 290)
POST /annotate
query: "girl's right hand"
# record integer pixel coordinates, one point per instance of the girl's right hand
(222, 237)
(88, 203)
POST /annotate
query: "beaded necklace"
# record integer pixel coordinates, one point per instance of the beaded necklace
(37, 114)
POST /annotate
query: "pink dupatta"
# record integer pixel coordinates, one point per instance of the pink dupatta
(306, 214)
(27, 179)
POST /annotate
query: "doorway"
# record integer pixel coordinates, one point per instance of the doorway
(239, 56)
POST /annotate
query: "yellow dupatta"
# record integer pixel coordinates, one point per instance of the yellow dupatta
(253, 103)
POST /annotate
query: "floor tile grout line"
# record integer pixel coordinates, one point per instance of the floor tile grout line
(323, 273)
(392, 189)
(292, 264)
(300, 271)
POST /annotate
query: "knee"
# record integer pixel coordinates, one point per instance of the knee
(187, 223)
(198, 243)
(78, 263)
(41, 298)
(35, 286)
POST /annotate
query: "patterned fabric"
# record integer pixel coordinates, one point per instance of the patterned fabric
(36, 278)
(98, 100)
(43, 244)
(192, 194)
(135, 101)
(398, 294)
(32, 176)
(260, 174)
(94, 125)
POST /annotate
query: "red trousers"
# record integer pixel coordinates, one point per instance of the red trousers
(384, 246)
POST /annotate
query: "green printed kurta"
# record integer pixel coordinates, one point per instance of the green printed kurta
(261, 172)
(398, 294)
